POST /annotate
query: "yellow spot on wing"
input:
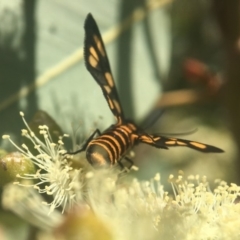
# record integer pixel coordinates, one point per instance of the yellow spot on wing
(93, 52)
(171, 142)
(146, 139)
(93, 62)
(117, 106)
(198, 145)
(181, 143)
(108, 89)
(109, 78)
(110, 103)
(99, 45)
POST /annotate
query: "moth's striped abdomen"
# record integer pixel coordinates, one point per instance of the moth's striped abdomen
(112, 145)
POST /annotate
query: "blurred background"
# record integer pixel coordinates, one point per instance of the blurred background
(175, 63)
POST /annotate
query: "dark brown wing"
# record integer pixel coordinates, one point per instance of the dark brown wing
(165, 142)
(97, 63)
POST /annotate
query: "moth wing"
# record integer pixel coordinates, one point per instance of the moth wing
(97, 63)
(165, 142)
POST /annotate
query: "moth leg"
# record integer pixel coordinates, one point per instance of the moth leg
(121, 165)
(84, 146)
(128, 160)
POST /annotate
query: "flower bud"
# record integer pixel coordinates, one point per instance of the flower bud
(13, 164)
(82, 223)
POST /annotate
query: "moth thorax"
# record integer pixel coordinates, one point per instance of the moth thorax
(97, 155)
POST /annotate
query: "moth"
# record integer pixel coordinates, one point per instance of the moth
(112, 145)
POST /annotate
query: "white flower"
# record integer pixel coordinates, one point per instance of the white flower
(135, 209)
(54, 176)
(205, 214)
(129, 208)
